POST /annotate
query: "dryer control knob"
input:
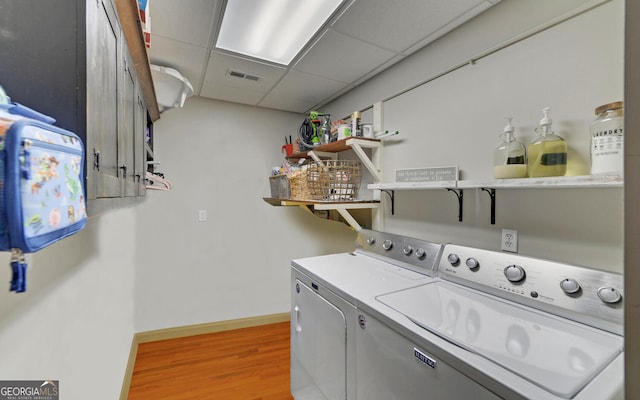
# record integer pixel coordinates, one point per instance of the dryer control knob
(453, 259)
(371, 241)
(609, 295)
(515, 273)
(472, 263)
(570, 286)
(387, 244)
(407, 250)
(421, 253)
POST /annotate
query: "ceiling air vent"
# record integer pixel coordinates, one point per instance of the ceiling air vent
(242, 75)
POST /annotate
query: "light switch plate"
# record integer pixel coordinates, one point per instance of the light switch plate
(202, 215)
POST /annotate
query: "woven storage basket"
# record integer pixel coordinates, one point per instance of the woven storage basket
(298, 185)
(336, 180)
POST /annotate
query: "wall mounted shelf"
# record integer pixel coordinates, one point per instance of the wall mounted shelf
(357, 144)
(614, 180)
(341, 207)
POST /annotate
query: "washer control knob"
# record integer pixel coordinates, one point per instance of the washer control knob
(371, 241)
(387, 244)
(515, 273)
(472, 263)
(453, 259)
(407, 250)
(421, 253)
(609, 295)
(570, 286)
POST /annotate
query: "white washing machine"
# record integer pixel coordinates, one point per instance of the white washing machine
(488, 325)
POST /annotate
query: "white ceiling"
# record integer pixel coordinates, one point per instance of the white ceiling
(363, 38)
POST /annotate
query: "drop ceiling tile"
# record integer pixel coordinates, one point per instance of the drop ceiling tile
(302, 86)
(341, 58)
(459, 20)
(396, 26)
(229, 93)
(188, 21)
(221, 63)
(187, 59)
(378, 70)
(285, 103)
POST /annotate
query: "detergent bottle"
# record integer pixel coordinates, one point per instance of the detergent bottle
(547, 152)
(510, 158)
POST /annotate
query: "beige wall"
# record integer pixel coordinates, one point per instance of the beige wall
(75, 321)
(236, 264)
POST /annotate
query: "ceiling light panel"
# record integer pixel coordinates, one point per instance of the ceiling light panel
(272, 30)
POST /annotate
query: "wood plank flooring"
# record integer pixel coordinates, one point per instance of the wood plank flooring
(244, 364)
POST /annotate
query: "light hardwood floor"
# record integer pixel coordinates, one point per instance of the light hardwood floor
(244, 364)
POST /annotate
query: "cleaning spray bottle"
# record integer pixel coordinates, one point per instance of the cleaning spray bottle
(547, 151)
(510, 158)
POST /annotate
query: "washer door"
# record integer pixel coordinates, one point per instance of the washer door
(389, 366)
(318, 347)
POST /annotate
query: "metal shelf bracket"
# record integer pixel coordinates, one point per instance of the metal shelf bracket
(459, 194)
(392, 197)
(492, 195)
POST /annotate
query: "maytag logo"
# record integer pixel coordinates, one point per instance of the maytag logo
(29, 390)
(424, 358)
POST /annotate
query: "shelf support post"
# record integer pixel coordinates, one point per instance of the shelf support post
(459, 194)
(492, 195)
(349, 218)
(356, 146)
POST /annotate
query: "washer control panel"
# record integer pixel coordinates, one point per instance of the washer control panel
(591, 296)
(415, 254)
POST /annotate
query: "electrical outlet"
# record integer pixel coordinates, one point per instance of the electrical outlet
(510, 240)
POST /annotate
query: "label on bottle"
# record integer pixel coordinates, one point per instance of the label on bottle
(554, 159)
(607, 146)
(515, 160)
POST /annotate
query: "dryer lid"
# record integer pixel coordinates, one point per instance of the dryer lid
(556, 354)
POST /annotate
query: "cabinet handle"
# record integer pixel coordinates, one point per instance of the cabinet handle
(96, 160)
(124, 170)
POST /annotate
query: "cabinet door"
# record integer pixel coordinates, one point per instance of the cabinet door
(127, 127)
(103, 61)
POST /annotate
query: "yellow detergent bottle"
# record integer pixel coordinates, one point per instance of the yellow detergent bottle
(547, 153)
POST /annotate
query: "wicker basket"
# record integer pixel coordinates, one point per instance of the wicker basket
(298, 185)
(336, 180)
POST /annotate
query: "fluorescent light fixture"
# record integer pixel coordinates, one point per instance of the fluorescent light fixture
(272, 30)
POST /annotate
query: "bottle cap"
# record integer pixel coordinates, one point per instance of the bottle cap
(509, 127)
(546, 120)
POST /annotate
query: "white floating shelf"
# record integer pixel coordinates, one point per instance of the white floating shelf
(567, 182)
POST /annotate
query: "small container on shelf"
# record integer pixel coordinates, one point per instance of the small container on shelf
(607, 140)
(510, 157)
(547, 152)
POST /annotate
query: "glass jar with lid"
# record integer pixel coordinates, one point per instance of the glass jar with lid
(607, 139)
